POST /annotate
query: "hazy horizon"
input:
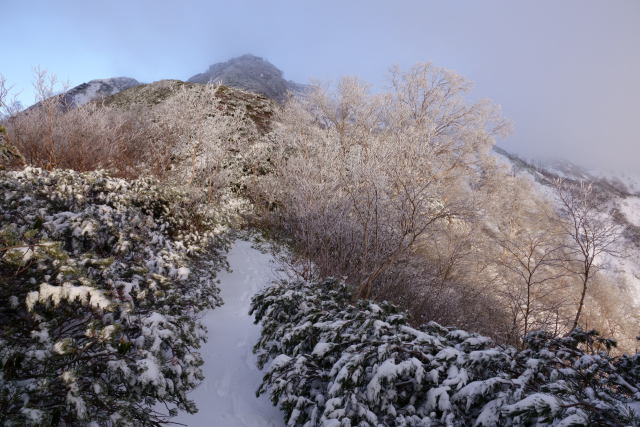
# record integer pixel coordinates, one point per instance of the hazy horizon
(565, 73)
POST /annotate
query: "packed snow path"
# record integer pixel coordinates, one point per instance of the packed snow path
(227, 397)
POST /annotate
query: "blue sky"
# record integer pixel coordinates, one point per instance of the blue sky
(564, 71)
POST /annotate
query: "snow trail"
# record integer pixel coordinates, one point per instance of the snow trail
(227, 398)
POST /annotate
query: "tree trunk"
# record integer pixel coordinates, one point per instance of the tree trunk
(581, 304)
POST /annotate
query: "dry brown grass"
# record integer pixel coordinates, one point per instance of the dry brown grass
(88, 138)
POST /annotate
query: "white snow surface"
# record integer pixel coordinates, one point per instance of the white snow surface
(227, 396)
(630, 207)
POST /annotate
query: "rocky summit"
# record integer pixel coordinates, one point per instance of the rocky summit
(250, 73)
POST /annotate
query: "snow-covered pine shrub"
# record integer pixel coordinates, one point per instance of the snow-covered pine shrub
(101, 283)
(335, 363)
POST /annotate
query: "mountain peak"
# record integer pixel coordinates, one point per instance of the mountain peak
(251, 73)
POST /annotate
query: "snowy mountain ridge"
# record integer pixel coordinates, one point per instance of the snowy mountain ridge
(95, 89)
(617, 182)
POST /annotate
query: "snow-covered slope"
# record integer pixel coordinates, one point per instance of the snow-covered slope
(621, 191)
(95, 89)
(227, 397)
(89, 91)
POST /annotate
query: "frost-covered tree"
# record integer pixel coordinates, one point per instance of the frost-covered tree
(526, 254)
(532, 260)
(211, 140)
(101, 284)
(591, 236)
(363, 182)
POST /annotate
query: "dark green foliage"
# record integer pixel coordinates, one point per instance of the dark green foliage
(332, 362)
(102, 281)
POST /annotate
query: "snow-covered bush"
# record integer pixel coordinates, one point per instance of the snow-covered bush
(101, 283)
(335, 363)
(213, 137)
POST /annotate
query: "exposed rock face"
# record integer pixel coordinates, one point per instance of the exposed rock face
(10, 157)
(250, 73)
(95, 89)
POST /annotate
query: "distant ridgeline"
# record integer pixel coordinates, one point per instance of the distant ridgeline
(246, 72)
